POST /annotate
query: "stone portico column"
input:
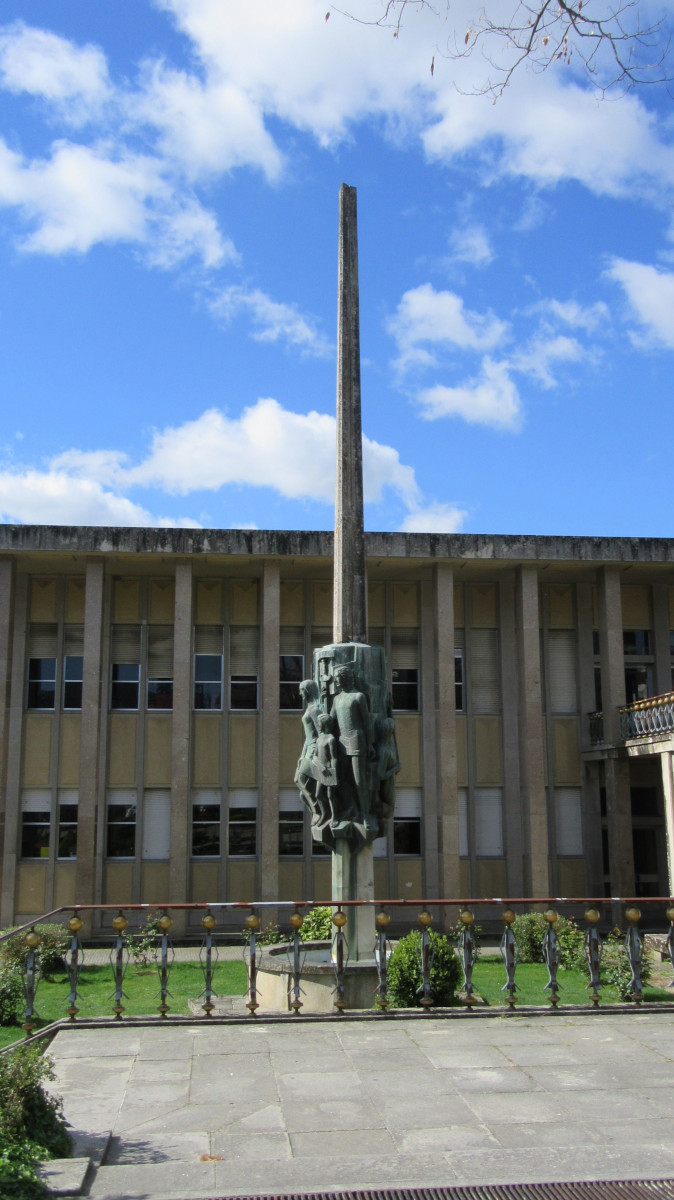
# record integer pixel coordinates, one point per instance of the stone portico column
(448, 804)
(616, 770)
(180, 744)
(89, 782)
(269, 735)
(6, 606)
(532, 733)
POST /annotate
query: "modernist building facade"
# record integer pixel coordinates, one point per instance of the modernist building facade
(150, 720)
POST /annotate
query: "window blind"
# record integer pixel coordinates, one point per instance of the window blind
(160, 652)
(404, 649)
(73, 640)
(208, 639)
(35, 800)
(207, 796)
(463, 823)
(289, 800)
(459, 639)
(321, 635)
(562, 667)
(156, 824)
(291, 639)
(42, 641)
(125, 645)
(408, 802)
(483, 671)
(244, 650)
(568, 821)
(242, 798)
(488, 804)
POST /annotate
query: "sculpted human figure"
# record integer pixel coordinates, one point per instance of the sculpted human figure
(387, 764)
(352, 714)
(325, 768)
(304, 775)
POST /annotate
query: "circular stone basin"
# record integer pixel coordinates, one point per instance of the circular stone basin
(317, 979)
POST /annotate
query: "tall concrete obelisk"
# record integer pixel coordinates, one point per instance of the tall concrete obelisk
(350, 593)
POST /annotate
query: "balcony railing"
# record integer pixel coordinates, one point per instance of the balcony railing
(647, 717)
(597, 913)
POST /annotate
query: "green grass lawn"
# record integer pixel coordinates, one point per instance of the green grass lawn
(489, 977)
(96, 987)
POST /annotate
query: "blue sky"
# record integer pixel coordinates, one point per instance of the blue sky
(169, 178)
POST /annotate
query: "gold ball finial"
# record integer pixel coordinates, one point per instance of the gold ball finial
(670, 914)
(119, 922)
(339, 919)
(208, 921)
(551, 915)
(165, 922)
(75, 924)
(32, 939)
(466, 917)
(425, 919)
(252, 922)
(592, 916)
(382, 919)
(296, 920)
(633, 914)
(509, 916)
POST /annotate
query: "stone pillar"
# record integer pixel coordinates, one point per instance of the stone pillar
(6, 614)
(350, 593)
(93, 686)
(448, 804)
(353, 879)
(14, 742)
(663, 654)
(668, 793)
(591, 806)
(269, 734)
(512, 807)
(428, 740)
(616, 770)
(532, 733)
(180, 744)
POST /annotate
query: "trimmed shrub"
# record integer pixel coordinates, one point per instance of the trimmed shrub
(31, 1123)
(529, 930)
(54, 941)
(404, 971)
(615, 965)
(11, 994)
(318, 926)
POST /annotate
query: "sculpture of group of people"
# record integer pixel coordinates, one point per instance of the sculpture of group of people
(346, 770)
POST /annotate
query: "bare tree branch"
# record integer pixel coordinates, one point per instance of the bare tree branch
(613, 47)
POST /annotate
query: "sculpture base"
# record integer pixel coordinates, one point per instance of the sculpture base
(318, 983)
(353, 879)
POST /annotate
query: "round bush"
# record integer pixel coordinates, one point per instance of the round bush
(318, 926)
(529, 930)
(11, 994)
(54, 941)
(404, 971)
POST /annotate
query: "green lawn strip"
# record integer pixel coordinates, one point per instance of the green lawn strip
(489, 977)
(96, 988)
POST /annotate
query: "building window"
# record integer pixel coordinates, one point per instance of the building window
(41, 683)
(242, 823)
(72, 681)
(67, 826)
(488, 806)
(459, 681)
(243, 666)
(160, 667)
(483, 666)
(290, 824)
(206, 824)
(407, 822)
(637, 641)
(568, 822)
(291, 666)
(121, 825)
(208, 667)
(125, 667)
(464, 839)
(156, 824)
(35, 823)
(405, 669)
(562, 671)
(638, 674)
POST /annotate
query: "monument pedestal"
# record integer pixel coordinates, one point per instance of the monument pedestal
(353, 879)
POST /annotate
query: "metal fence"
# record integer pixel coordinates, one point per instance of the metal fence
(596, 914)
(647, 717)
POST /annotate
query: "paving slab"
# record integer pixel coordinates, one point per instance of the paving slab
(232, 1110)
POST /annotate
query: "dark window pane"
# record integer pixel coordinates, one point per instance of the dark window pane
(289, 695)
(72, 694)
(67, 847)
(125, 672)
(208, 668)
(595, 642)
(42, 670)
(405, 689)
(242, 839)
(638, 683)
(121, 813)
(41, 694)
(644, 802)
(291, 668)
(72, 667)
(637, 641)
(458, 682)
(35, 835)
(206, 839)
(291, 836)
(407, 835)
(124, 695)
(208, 695)
(243, 691)
(597, 690)
(121, 841)
(318, 848)
(68, 813)
(160, 693)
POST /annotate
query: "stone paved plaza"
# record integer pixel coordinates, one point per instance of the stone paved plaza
(348, 1103)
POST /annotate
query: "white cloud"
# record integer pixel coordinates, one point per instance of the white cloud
(44, 64)
(537, 358)
(434, 518)
(492, 399)
(428, 318)
(273, 321)
(588, 317)
(650, 293)
(471, 245)
(54, 497)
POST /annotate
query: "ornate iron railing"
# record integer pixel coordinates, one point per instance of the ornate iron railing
(596, 911)
(647, 717)
(596, 720)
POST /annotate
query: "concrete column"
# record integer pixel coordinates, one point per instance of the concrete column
(269, 733)
(6, 618)
(14, 742)
(428, 741)
(616, 770)
(661, 649)
(591, 807)
(532, 733)
(668, 793)
(180, 743)
(448, 804)
(90, 791)
(512, 808)
(350, 594)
